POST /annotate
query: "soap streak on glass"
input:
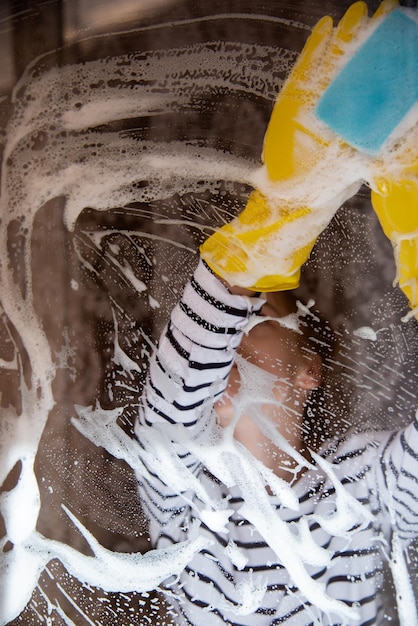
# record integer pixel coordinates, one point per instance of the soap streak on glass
(125, 142)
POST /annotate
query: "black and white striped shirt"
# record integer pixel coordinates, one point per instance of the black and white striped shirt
(187, 374)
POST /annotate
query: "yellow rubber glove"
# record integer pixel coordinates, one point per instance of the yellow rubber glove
(381, 120)
(308, 170)
(395, 200)
(393, 177)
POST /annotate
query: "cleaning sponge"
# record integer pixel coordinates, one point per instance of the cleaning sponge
(378, 86)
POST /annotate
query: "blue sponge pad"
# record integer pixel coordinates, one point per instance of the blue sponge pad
(377, 87)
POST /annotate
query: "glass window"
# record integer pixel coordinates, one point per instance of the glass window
(130, 132)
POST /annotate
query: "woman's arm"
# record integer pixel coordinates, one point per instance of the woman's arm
(188, 372)
(196, 351)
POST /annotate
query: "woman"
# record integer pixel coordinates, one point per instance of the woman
(270, 560)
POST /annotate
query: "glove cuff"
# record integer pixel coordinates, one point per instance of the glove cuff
(236, 252)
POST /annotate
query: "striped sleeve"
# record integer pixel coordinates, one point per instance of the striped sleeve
(196, 351)
(399, 463)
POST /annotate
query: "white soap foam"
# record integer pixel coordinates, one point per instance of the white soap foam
(42, 161)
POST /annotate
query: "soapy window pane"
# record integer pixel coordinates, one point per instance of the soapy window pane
(128, 135)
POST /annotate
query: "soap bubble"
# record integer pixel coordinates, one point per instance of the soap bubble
(123, 147)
